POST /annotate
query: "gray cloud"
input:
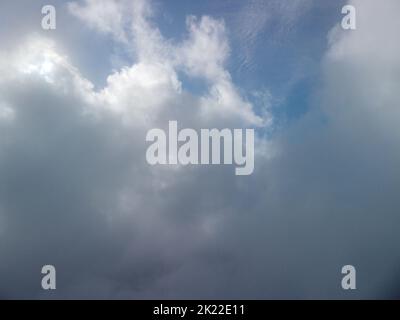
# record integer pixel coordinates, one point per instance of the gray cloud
(76, 191)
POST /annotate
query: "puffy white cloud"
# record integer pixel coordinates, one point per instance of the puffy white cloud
(201, 55)
(206, 50)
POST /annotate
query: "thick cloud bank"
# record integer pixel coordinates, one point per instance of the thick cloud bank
(76, 190)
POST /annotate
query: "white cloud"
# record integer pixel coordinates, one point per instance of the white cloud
(74, 157)
(105, 16)
(366, 58)
(201, 55)
(205, 52)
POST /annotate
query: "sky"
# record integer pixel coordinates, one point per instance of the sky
(76, 191)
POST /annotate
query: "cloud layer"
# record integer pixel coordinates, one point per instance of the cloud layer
(76, 190)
